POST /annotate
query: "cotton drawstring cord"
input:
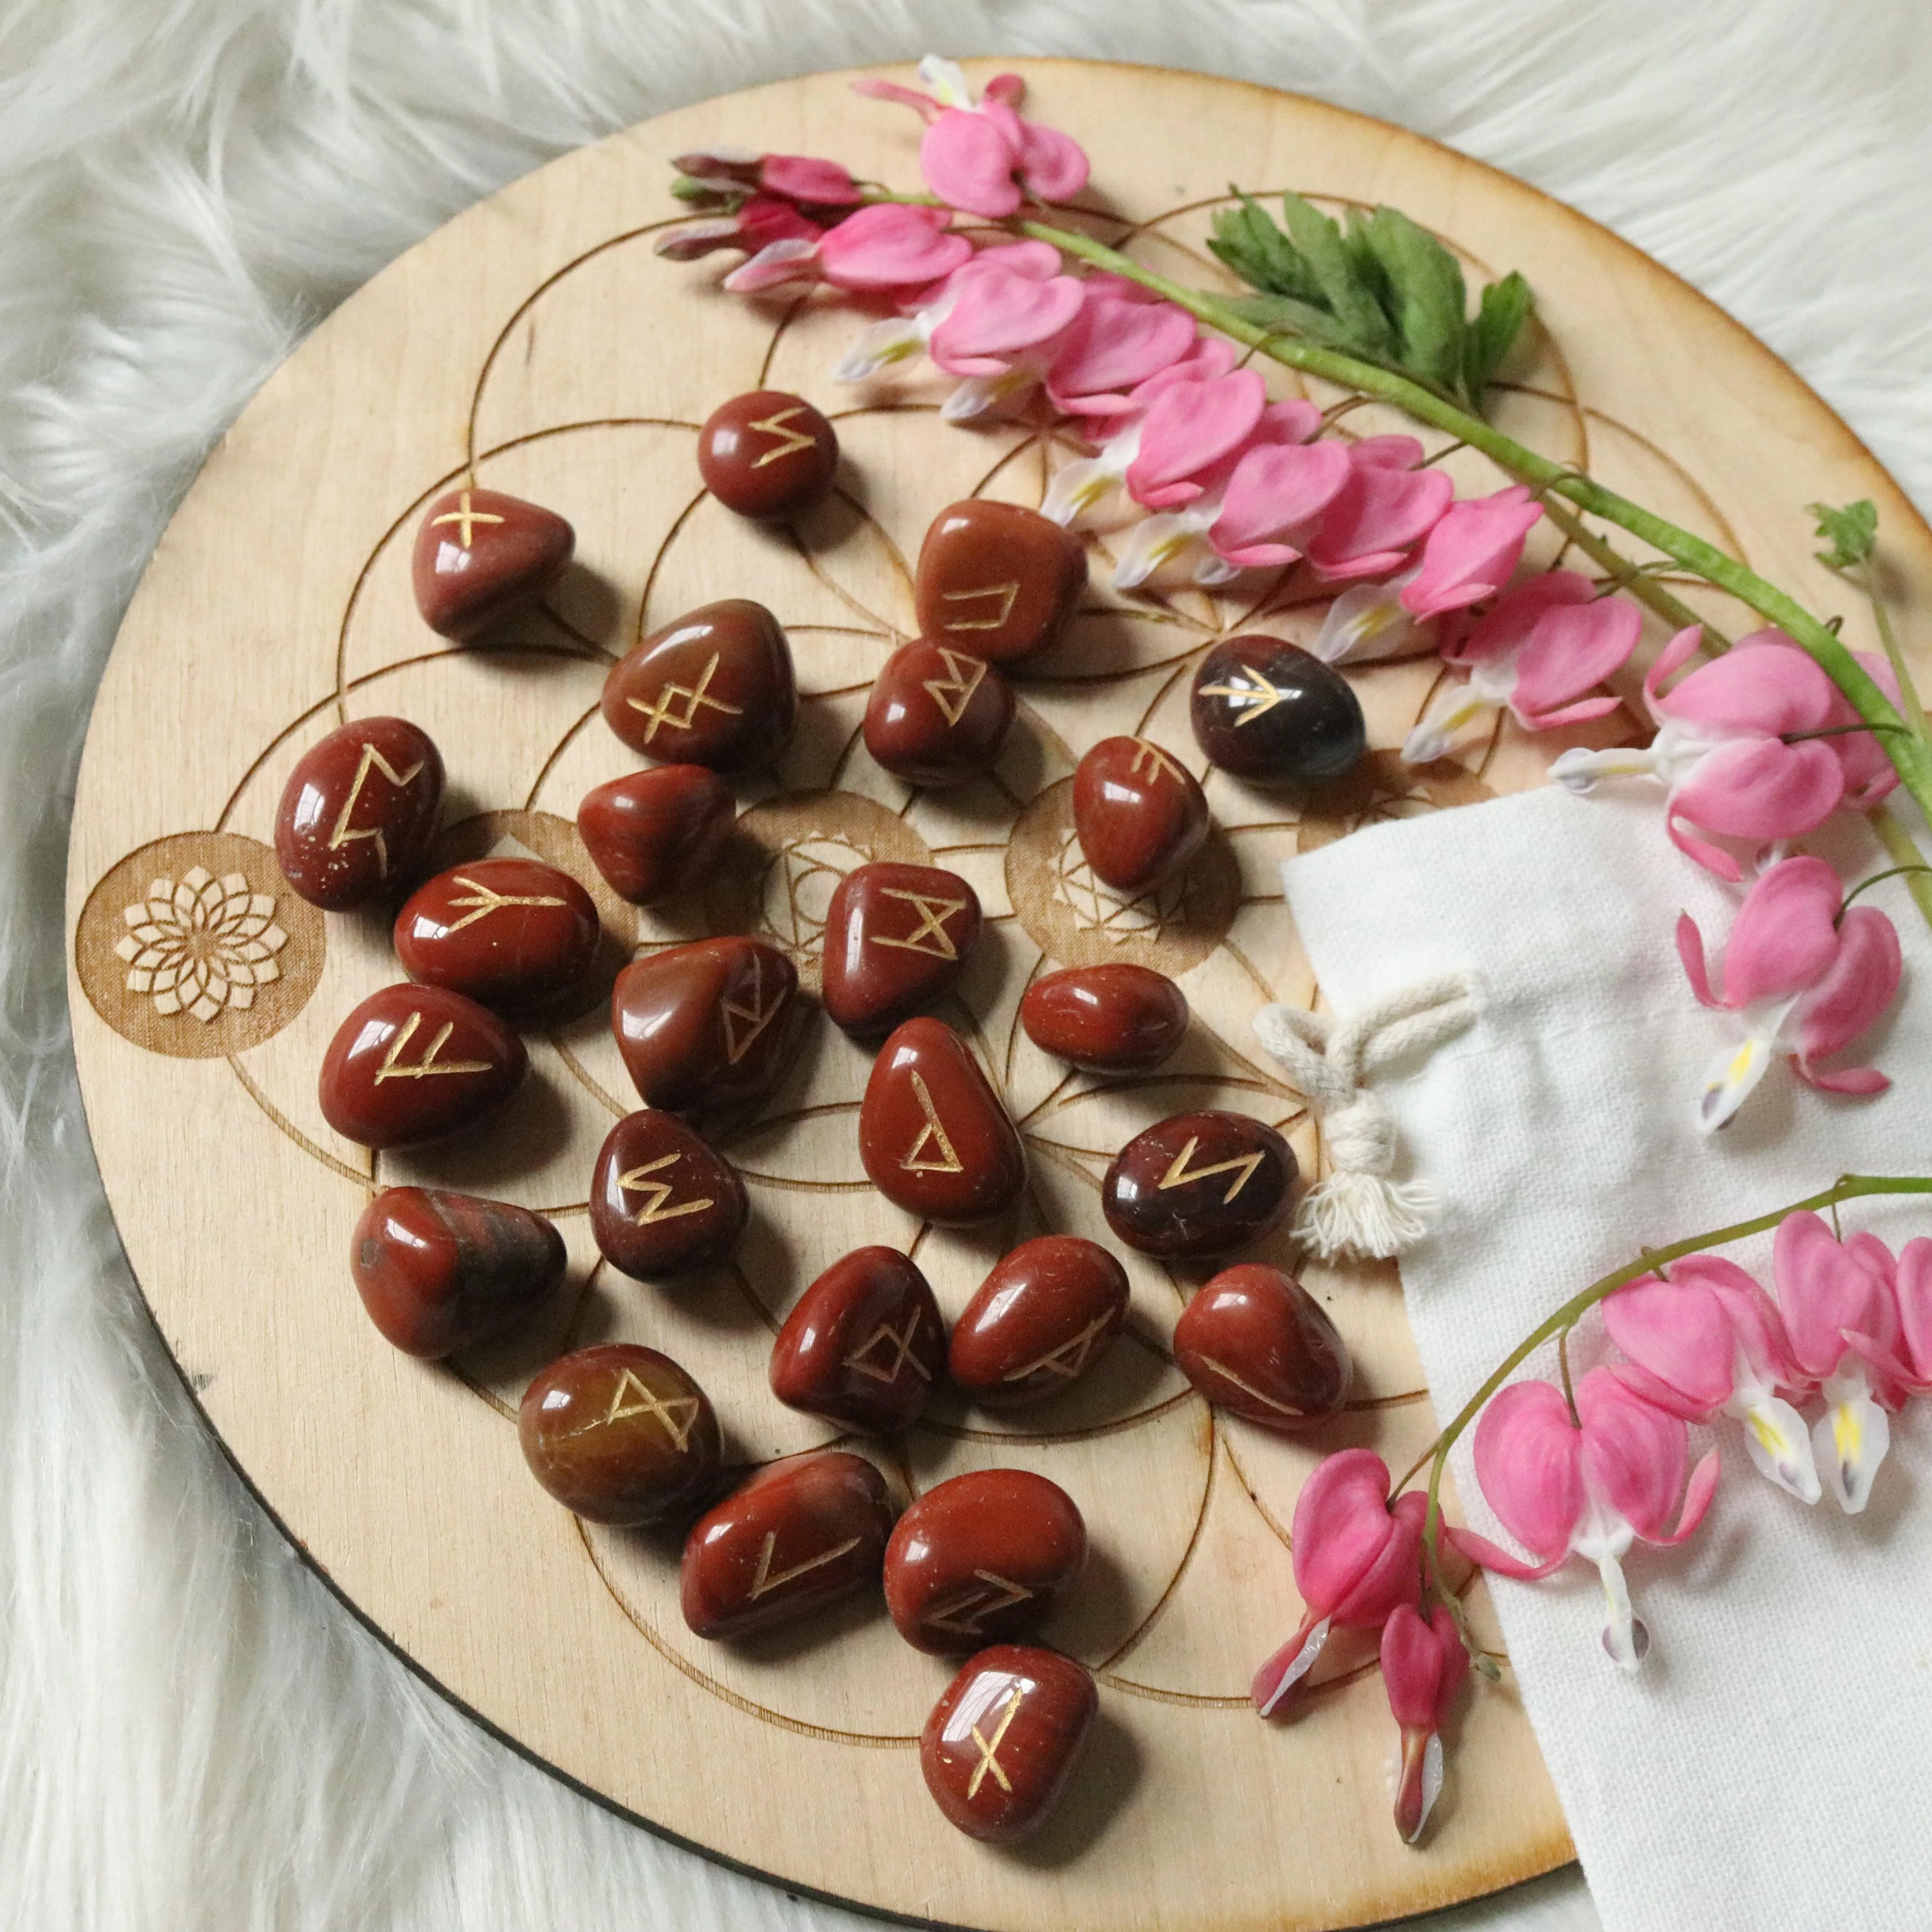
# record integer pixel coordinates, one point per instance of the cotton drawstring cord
(1359, 1209)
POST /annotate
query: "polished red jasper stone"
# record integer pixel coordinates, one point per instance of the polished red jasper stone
(1002, 580)
(509, 933)
(1043, 1317)
(412, 1063)
(656, 834)
(662, 1204)
(932, 1134)
(714, 688)
(1138, 812)
(1271, 712)
(1198, 1184)
(1109, 1019)
(937, 714)
(863, 1345)
(1002, 1742)
(1255, 1342)
(981, 1559)
(481, 557)
(800, 1534)
(438, 1271)
(620, 1434)
(707, 1026)
(767, 454)
(359, 811)
(895, 938)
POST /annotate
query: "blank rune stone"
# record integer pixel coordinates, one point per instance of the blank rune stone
(656, 834)
(1107, 1019)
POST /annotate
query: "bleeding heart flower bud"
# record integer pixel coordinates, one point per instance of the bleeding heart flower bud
(1423, 1666)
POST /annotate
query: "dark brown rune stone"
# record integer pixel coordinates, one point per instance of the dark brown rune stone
(662, 1203)
(1269, 711)
(767, 455)
(1002, 581)
(1197, 1184)
(1255, 1343)
(863, 1345)
(712, 687)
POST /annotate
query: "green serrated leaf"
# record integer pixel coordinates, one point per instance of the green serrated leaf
(1852, 531)
(1500, 315)
(1429, 299)
(1369, 270)
(1283, 315)
(1318, 241)
(1251, 244)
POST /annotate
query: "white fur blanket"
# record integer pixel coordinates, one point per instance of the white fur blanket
(193, 1734)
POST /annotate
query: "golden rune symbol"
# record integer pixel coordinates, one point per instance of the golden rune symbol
(966, 1609)
(468, 518)
(1006, 592)
(485, 902)
(699, 696)
(901, 1346)
(765, 1581)
(1178, 1176)
(630, 1397)
(789, 441)
(391, 1068)
(1227, 1374)
(932, 1134)
(952, 694)
(654, 1209)
(1066, 1361)
(372, 759)
(1257, 700)
(988, 1760)
(755, 1018)
(1150, 760)
(931, 926)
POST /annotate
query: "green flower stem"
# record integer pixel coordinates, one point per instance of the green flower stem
(1914, 711)
(1637, 581)
(1898, 841)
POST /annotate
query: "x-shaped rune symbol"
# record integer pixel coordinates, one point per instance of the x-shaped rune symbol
(988, 1760)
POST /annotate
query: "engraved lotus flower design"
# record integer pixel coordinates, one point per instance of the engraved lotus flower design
(201, 945)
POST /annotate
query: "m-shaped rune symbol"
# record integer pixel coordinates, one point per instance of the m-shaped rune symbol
(468, 518)
(372, 759)
(632, 1181)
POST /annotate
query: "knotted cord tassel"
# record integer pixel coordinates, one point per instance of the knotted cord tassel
(1360, 1209)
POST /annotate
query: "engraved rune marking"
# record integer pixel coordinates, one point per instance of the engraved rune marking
(952, 694)
(1178, 1176)
(931, 926)
(1156, 761)
(917, 1159)
(756, 1017)
(1006, 592)
(765, 1581)
(699, 695)
(468, 518)
(1257, 700)
(485, 902)
(372, 759)
(630, 1397)
(789, 441)
(1227, 1374)
(654, 1209)
(967, 1608)
(391, 1068)
(1066, 1361)
(988, 1760)
(901, 1347)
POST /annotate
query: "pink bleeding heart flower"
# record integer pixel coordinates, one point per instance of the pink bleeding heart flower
(979, 156)
(1356, 1556)
(1472, 553)
(1387, 507)
(1424, 1666)
(1002, 329)
(754, 225)
(1587, 1487)
(1805, 977)
(1869, 774)
(886, 247)
(1709, 1340)
(1721, 748)
(1912, 1287)
(804, 178)
(1546, 643)
(1115, 343)
(1188, 428)
(910, 334)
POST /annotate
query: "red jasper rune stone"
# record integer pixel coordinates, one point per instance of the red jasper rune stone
(937, 714)
(981, 1559)
(863, 1345)
(662, 1204)
(713, 688)
(1198, 1184)
(481, 556)
(510, 933)
(800, 1534)
(412, 1064)
(1255, 1342)
(359, 811)
(705, 1027)
(619, 1434)
(932, 1134)
(1138, 812)
(656, 834)
(767, 455)
(1002, 580)
(1045, 1316)
(438, 1271)
(1107, 1019)
(1001, 1745)
(895, 938)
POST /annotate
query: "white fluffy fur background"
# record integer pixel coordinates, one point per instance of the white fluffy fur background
(193, 1734)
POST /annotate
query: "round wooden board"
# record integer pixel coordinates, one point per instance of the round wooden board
(538, 344)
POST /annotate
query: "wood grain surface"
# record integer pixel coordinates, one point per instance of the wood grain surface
(536, 345)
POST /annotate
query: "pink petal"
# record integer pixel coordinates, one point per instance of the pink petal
(968, 157)
(1869, 774)
(1341, 1524)
(806, 177)
(1858, 1080)
(1493, 1556)
(1189, 426)
(1572, 649)
(1634, 1455)
(1914, 1292)
(789, 260)
(922, 104)
(1377, 519)
(1508, 623)
(1053, 165)
(1276, 489)
(1385, 452)
(1673, 656)
(1473, 552)
(1008, 88)
(1677, 1331)
(1755, 789)
(1784, 938)
(1294, 421)
(1855, 988)
(1413, 1666)
(1757, 1328)
(996, 317)
(892, 247)
(1697, 1494)
(1529, 1464)
(1756, 689)
(1213, 357)
(1690, 950)
(1395, 1576)
(1111, 345)
(1581, 712)
(1037, 261)
(1823, 1289)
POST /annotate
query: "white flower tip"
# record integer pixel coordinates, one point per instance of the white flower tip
(945, 80)
(1431, 1783)
(1628, 1648)
(1781, 1449)
(1850, 1441)
(1575, 772)
(1424, 745)
(1731, 1083)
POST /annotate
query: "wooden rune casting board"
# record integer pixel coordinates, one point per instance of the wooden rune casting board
(537, 345)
